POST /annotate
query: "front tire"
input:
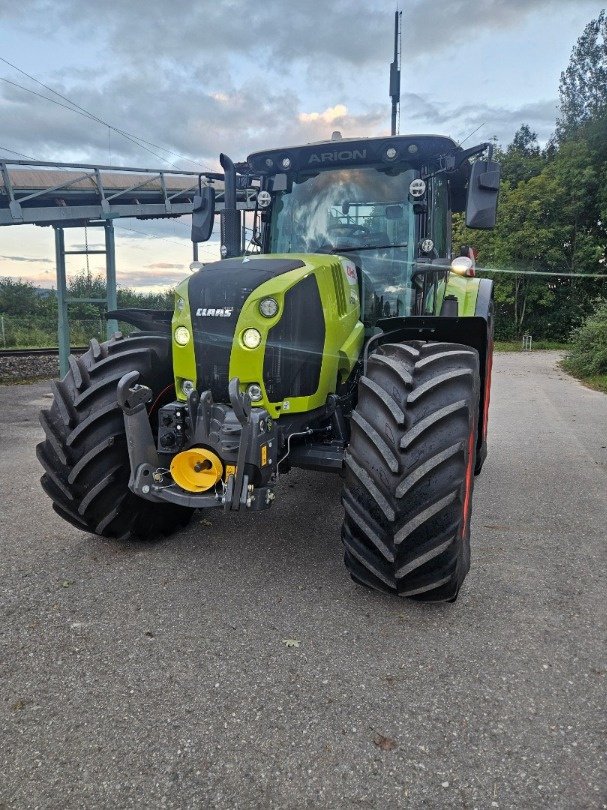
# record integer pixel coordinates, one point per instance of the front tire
(85, 454)
(410, 470)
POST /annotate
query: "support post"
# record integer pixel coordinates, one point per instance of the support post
(110, 251)
(63, 326)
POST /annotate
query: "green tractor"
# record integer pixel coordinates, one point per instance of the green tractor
(348, 338)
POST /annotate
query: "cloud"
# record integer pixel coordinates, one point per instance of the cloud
(27, 259)
(216, 84)
(276, 34)
(165, 266)
(329, 116)
(150, 279)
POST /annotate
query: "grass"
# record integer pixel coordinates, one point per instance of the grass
(598, 382)
(539, 345)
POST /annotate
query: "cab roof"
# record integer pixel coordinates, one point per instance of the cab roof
(343, 152)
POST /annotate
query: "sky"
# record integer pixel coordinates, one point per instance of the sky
(198, 78)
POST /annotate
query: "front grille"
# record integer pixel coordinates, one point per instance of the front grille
(224, 286)
(294, 348)
(340, 293)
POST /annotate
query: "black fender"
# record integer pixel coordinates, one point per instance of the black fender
(148, 320)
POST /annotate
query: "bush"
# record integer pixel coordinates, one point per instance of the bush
(588, 355)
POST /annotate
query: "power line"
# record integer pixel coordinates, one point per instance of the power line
(92, 115)
(88, 115)
(539, 273)
(12, 151)
(163, 238)
(77, 108)
(514, 272)
(150, 235)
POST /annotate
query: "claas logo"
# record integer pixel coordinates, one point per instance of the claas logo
(222, 312)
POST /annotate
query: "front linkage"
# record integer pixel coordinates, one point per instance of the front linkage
(195, 441)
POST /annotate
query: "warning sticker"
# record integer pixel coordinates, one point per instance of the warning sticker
(350, 271)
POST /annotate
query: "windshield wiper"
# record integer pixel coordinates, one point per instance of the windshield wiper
(351, 249)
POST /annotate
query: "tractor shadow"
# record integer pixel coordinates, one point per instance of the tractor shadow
(290, 552)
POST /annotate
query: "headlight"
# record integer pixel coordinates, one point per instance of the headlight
(251, 338)
(182, 336)
(268, 307)
(463, 266)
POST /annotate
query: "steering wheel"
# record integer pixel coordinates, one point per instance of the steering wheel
(348, 229)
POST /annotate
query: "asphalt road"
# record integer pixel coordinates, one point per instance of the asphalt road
(158, 676)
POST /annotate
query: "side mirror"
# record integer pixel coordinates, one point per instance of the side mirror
(483, 191)
(203, 215)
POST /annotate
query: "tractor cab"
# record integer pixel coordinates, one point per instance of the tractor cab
(385, 203)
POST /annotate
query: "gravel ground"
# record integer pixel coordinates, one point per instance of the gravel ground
(17, 369)
(158, 676)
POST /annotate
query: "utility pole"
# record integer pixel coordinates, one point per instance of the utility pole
(395, 72)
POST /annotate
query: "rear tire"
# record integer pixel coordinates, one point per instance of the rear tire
(85, 455)
(410, 470)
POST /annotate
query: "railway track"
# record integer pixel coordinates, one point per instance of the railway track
(45, 352)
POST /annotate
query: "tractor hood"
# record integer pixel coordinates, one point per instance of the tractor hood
(276, 322)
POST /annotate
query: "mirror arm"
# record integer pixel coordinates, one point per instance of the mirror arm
(454, 161)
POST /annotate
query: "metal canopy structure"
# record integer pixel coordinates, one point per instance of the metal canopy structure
(44, 193)
(73, 195)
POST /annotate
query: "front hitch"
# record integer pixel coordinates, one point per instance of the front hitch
(133, 399)
(237, 491)
(257, 448)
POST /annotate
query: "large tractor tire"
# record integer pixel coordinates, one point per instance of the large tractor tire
(410, 470)
(85, 454)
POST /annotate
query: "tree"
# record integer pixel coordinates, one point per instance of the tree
(17, 297)
(523, 158)
(588, 354)
(548, 223)
(583, 87)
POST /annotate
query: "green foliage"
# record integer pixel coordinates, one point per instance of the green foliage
(538, 345)
(588, 355)
(41, 331)
(523, 158)
(583, 87)
(29, 315)
(17, 297)
(552, 214)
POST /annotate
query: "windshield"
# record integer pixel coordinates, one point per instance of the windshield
(364, 213)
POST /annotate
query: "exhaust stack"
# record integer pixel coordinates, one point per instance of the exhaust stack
(230, 215)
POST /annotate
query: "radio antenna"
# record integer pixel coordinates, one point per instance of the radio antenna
(395, 73)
